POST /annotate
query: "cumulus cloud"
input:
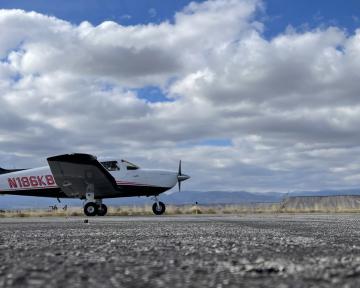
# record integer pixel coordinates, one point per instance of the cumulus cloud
(288, 106)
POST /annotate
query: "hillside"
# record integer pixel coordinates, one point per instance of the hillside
(179, 198)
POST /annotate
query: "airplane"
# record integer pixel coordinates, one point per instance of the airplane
(82, 176)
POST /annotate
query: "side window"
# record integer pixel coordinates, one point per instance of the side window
(129, 165)
(131, 168)
(111, 165)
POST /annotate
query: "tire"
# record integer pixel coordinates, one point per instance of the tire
(159, 210)
(90, 209)
(102, 210)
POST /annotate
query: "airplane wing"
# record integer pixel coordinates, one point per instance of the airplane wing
(78, 173)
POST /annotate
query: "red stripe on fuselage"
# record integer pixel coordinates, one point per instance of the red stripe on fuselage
(130, 183)
(28, 189)
(127, 183)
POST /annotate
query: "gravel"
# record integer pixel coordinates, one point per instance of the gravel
(181, 251)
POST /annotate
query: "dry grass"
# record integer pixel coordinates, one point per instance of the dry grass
(321, 204)
(184, 210)
(41, 213)
(146, 210)
(319, 209)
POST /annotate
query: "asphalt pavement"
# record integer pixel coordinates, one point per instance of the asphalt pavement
(181, 251)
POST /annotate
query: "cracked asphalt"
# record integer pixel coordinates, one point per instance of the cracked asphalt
(181, 251)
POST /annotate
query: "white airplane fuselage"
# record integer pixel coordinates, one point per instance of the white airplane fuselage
(82, 176)
(40, 182)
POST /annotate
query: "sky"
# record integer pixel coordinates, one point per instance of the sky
(250, 95)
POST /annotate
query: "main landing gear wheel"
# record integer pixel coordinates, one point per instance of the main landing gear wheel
(102, 210)
(90, 209)
(158, 208)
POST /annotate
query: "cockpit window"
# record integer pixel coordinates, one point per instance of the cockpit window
(130, 166)
(111, 165)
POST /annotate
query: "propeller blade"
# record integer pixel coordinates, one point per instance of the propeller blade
(181, 177)
(179, 174)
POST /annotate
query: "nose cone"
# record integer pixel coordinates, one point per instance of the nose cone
(182, 177)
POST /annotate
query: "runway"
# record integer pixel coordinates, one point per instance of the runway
(181, 251)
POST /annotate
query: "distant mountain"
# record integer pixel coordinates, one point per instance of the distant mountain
(8, 202)
(179, 198)
(326, 192)
(221, 197)
(183, 197)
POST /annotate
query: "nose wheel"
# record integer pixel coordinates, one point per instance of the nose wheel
(158, 208)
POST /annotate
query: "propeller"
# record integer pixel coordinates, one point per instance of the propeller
(181, 177)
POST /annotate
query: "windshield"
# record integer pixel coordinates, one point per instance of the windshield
(130, 166)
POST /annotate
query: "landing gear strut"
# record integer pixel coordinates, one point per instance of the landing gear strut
(158, 207)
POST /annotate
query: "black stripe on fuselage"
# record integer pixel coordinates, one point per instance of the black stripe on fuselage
(44, 192)
(133, 190)
(6, 171)
(124, 191)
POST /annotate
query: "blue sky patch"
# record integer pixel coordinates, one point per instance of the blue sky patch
(279, 13)
(126, 12)
(16, 77)
(310, 14)
(218, 142)
(151, 94)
